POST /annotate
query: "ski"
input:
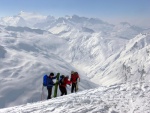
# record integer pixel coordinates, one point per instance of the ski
(56, 85)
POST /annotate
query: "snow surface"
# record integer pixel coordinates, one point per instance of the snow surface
(121, 98)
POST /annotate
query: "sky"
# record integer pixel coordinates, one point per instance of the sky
(136, 11)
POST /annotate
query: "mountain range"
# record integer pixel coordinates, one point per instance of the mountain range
(103, 53)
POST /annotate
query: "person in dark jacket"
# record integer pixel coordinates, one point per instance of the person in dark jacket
(50, 84)
(62, 84)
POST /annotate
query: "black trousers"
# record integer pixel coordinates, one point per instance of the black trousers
(63, 90)
(49, 93)
(73, 87)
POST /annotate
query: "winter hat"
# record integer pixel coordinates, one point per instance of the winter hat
(62, 76)
(51, 74)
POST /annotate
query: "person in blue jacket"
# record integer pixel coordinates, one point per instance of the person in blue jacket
(50, 84)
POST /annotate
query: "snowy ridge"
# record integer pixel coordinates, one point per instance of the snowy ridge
(121, 98)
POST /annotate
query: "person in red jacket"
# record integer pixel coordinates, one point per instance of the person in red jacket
(74, 78)
(62, 84)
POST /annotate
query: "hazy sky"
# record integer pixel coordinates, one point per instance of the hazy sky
(114, 11)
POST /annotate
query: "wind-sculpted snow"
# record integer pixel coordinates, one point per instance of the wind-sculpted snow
(121, 98)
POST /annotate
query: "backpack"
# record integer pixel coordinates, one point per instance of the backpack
(61, 81)
(45, 80)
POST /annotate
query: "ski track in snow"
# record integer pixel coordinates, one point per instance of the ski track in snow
(122, 98)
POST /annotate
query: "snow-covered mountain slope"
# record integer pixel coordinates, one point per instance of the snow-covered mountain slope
(91, 49)
(121, 98)
(126, 30)
(129, 65)
(24, 58)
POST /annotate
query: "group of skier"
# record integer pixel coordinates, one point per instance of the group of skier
(62, 83)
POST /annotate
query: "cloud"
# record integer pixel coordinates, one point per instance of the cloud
(138, 21)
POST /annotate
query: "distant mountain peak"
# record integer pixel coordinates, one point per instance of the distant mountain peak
(125, 23)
